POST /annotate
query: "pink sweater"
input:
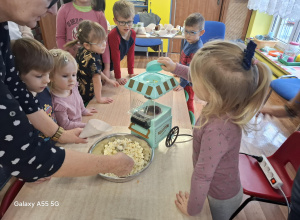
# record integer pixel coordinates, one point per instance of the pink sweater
(68, 110)
(215, 158)
(68, 18)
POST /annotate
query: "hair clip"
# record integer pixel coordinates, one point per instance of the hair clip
(248, 55)
(54, 54)
(254, 61)
(66, 59)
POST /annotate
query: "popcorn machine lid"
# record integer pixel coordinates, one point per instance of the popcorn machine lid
(151, 83)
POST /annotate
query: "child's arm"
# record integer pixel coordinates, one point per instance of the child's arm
(108, 80)
(175, 68)
(63, 119)
(97, 90)
(61, 33)
(130, 55)
(209, 157)
(114, 42)
(106, 55)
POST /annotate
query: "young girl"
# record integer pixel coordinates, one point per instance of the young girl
(92, 38)
(234, 87)
(68, 17)
(67, 103)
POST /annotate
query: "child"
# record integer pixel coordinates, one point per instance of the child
(34, 63)
(121, 39)
(68, 17)
(234, 86)
(92, 38)
(67, 103)
(194, 29)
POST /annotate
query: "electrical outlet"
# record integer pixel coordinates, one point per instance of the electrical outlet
(270, 173)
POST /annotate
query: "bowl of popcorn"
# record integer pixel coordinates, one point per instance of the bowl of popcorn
(135, 147)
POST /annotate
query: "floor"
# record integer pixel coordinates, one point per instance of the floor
(266, 138)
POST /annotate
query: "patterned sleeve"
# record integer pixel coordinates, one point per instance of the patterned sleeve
(63, 119)
(209, 158)
(17, 88)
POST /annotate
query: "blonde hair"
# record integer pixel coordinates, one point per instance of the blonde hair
(61, 59)
(232, 90)
(87, 32)
(31, 55)
(123, 9)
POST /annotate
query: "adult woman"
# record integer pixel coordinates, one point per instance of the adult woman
(23, 154)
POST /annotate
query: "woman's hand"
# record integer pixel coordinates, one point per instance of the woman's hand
(123, 164)
(72, 136)
(182, 202)
(168, 64)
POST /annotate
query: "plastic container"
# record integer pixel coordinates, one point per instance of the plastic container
(292, 49)
(263, 43)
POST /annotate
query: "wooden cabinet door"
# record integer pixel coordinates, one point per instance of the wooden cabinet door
(48, 29)
(212, 10)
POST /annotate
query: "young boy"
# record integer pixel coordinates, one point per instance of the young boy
(121, 39)
(34, 63)
(194, 29)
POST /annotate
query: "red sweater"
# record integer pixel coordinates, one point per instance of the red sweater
(120, 47)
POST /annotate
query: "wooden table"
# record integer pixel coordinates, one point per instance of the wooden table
(180, 37)
(150, 196)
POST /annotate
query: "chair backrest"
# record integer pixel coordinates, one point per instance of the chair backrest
(213, 30)
(136, 19)
(288, 152)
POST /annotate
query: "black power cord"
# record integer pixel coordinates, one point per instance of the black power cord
(258, 158)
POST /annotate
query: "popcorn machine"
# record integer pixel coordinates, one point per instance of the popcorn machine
(151, 97)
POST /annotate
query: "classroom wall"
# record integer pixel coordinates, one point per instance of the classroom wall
(259, 24)
(160, 7)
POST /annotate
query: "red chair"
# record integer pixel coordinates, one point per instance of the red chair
(10, 196)
(254, 181)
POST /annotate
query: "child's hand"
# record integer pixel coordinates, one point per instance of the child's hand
(178, 88)
(122, 81)
(41, 180)
(168, 64)
(132, 75)
(113, 83)
(182, 202)
(90, 111)
(105, 100)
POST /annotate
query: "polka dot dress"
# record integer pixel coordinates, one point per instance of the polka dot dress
(22, 152)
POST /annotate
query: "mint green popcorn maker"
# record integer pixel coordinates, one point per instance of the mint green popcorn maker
(151, 99)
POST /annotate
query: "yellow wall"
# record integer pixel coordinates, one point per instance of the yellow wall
(160, 7)
(109, 12)
(163, 9)
(259, 24)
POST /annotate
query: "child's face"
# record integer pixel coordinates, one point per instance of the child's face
(97, 47)
(65, 78)
(124, 24)
(192, 33)
(35, 81)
